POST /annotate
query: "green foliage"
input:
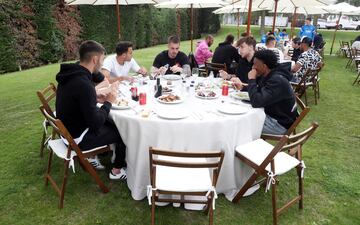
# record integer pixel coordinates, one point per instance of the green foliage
(51, 39)
(7, 52)
(208, 21)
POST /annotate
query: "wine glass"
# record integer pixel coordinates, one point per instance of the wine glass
(195, 73)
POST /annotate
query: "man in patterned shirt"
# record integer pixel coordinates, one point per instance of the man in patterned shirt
(309, 59)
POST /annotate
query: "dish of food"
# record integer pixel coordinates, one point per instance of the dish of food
(167, 89)
(170, 99)
(206, 94)
(121, 104)
(172, 77)
(242, 95)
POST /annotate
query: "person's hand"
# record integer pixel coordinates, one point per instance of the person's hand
(223, 74)
(100, 98)
(252, 74)
(111, 97)
(142, 71)
(162, 70)
(128, 78)
(237, 83)
(176, 69)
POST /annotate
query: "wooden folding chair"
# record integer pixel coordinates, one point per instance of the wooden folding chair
(270, 162)
(310, 79)
(69, 153)
(357, 80)
(215, 67)
(184, 174)
(47, 97)
(344, 47)
(292, 130)
(354, 58)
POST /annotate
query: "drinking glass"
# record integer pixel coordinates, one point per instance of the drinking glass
(195, 73)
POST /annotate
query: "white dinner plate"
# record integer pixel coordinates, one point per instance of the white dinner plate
(232, 109)
(216, 96)
(114, 106)
(172, 114)
(172, 77)
(241, 95)
(173, 102)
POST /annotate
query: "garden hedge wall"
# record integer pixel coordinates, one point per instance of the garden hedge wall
(38, 32)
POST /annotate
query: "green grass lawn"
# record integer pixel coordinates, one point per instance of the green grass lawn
(332, 180)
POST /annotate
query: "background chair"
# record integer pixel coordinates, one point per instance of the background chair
(184, 174)
(69, 154)
(270, 162)
(215, 67)
(310, 79)
(357, 80)
(47, 98)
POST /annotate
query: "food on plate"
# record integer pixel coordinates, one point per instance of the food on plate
(121, 102)
(242, 94)
(209, 94)
(166, 89)
(169, 98)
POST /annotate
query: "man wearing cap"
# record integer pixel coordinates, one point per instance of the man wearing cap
(309, 59)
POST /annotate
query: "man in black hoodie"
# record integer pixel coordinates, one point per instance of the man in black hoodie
(226, 53)
(76, 105)
(269, 87)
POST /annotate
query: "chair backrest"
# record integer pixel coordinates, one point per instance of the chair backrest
(213, 161)
(296, 141)
(192, 61)
(61, 130)
(288, 143)
(345, 44)
(310, 76)
(215, 67)
(304, 111)
(46, 96)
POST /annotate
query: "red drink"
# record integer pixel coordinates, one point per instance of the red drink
(225, 90)
(142, 98)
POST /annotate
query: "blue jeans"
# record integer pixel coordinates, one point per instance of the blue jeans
(271, 126)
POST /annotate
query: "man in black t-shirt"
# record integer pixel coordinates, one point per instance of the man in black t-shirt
(226, 53)
(171, 61)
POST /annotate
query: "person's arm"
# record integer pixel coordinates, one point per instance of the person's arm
(93, 116)
(112, 79)
(266, 95)
(136, 68)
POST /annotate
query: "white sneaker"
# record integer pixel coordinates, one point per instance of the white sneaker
(95, 162)
(119, 176)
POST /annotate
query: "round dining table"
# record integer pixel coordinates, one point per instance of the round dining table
(192, 123)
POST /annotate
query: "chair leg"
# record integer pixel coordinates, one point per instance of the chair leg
(93, 173)
(63, 185)
(48, 169)
(211, 213)
(315, 93)
(153, 209)
(42, 146)
(244, 188)
(356, 80)
(306, 103)
(301, 190)
(273, 198)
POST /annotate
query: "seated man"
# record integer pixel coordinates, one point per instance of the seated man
(297, 51)
(117, 67)
(308, 59)
(171, 61)
(202, 52)
(246, 50)
(318, 41)
(76, 105)
(226, 53)
(269, 88)
(271, 45)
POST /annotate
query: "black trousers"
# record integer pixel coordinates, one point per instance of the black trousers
(107, 134)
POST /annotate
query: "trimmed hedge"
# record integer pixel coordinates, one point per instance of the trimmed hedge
(37, 32)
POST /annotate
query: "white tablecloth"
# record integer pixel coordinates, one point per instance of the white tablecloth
(205, 130)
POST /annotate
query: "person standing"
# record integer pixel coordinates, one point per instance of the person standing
(308, 30)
